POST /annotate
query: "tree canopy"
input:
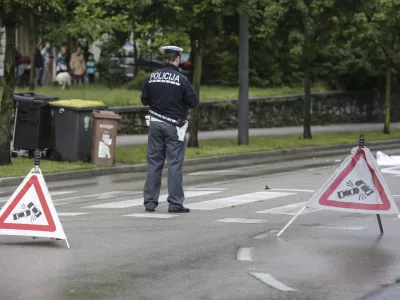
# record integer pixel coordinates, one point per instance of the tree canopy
(347, 45)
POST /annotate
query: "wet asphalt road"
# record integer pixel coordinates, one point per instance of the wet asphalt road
(225, 249)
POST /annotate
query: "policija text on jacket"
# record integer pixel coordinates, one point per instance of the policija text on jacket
(169, 93)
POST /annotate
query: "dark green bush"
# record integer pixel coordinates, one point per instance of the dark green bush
(137, 82)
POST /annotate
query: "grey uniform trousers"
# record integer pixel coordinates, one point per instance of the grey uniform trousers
(163, 143)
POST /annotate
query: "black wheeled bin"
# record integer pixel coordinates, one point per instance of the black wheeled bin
(73, 129)
(33, 128)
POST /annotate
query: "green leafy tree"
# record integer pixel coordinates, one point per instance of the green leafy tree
(379, 21)
(87, 19)
(11, 12)
(200, 20)
(308, 26)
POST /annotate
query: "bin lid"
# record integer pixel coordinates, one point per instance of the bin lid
(105, 114)
(80, 105)
(32, 100)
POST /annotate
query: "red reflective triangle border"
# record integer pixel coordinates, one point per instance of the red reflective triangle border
(35, 182)
(385, 201)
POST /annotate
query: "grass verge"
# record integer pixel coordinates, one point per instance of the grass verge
(122, 97)
(22, 166)
(137, 154)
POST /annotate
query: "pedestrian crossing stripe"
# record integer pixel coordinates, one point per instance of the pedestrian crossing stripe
(290, 209)
(242, 221)
(94, 197)
(152, 216)
(236, 200)
(52, 194)
(139, 202)
(71, 214)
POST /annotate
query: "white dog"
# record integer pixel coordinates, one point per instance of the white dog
(64, 79)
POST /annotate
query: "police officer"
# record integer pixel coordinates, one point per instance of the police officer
(169, 94)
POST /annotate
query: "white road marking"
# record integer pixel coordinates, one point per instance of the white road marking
(232, 170)
(92, 197)
(236, 200)
(340, 227)
(265, 234)
(61, 193)
(213, 172)
(71, 214)
(139, 202)
(244, 254)
(268, 279)
(207, 189)
(391, 170)
(292, 190)
(243, 221)
(290, 209)
(152, 215)
(52, 194)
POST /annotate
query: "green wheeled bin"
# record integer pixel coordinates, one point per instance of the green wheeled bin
(73, 129)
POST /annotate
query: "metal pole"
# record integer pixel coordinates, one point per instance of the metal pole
(292, 220)
(37, 159)
(380, 223)
(361, 145)
(243, 107)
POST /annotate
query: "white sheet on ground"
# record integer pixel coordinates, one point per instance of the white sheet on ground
(385, 160)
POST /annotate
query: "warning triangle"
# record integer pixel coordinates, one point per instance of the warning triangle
(356, 186)
(30, 210)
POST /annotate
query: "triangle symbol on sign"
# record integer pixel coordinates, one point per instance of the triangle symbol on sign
(32, 182)
(356, 186)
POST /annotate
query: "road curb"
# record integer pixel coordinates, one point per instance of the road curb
(212, 163)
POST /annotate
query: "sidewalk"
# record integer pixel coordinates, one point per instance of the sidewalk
(141, 139)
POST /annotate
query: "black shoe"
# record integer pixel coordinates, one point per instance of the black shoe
(179, 210)
(150, 209)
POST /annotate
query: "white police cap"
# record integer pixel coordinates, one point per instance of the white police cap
(170, 49)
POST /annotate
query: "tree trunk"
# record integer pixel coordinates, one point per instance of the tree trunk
(386, 128)
(32, 43)
(7, 101)
(307, 102)
(308, 57)
(243, 107)
(194, 114)
(193, 54)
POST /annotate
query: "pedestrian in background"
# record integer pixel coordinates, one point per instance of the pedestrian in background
(169, 95)
(46, 64)
(62, 61)
(91, 68)
(67, 55)
(39, 63)
(78, 66)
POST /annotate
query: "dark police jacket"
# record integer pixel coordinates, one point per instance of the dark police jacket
(169, 93)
